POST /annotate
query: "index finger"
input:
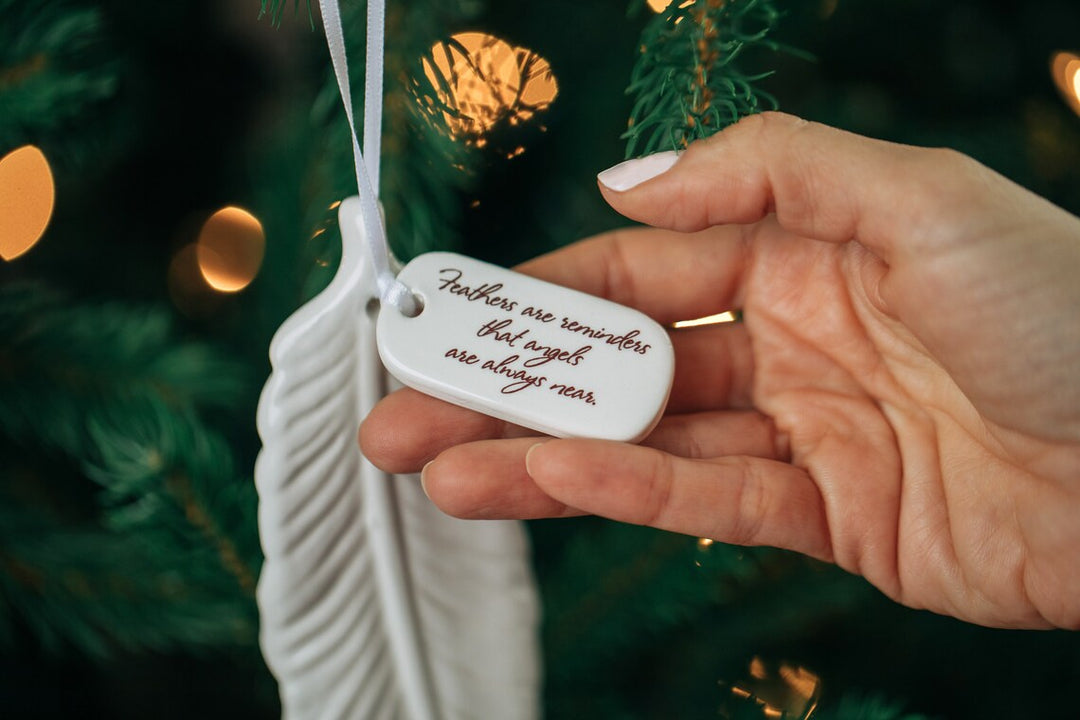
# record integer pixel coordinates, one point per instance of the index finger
(821, 183)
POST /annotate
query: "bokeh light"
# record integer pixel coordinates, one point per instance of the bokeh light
(781, 691)
(27, 197)
(659, 6)
(230, 249)
(1065, 69)
(487, 80)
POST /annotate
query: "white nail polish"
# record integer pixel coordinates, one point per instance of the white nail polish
(632, 173)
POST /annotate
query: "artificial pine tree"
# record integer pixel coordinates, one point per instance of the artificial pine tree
(128, 546)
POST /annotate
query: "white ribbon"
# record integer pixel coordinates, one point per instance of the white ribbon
(390, 289)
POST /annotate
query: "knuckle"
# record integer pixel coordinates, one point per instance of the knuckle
(751, 506)
(658, 500)
(618, 278)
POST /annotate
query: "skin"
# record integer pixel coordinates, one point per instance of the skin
(902, 398)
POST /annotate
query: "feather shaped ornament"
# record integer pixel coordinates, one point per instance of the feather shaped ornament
(374, 604)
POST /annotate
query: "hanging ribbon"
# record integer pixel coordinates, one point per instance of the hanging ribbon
(390, 289)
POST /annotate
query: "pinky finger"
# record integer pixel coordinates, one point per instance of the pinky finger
(741, 500)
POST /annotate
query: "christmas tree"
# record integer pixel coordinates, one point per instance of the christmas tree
(167, 195)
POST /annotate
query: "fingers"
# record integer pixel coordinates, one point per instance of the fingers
(716, 434)
(488, 480)
(740, 500)
(651, 270)
(821, 182)
(406, 429)
(714, 368)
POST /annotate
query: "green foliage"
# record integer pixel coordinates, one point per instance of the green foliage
(686, 82)
(275, 9)
(53, 70)
(100, 592)
(108, 394)
(622, 598)
(127, 514)
(860, 707)
(66, 368)
(852, 706)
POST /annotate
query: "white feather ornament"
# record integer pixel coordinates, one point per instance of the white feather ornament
(373, 603)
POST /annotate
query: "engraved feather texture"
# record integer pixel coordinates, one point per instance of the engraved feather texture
(373, 603)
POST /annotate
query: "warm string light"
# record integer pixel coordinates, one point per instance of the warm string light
(788, 691)
(1065, 69)
(230, 249)
(486, 81)
(224, 258)
(659, 6)
(27, 197)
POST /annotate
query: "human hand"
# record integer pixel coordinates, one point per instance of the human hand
(902, 397)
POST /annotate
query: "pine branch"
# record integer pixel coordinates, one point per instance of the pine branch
(52, 71)
(617, 591)
(275, 9)
(686, 82)
(99, 592)
(853, 706)
(118, 396)
(61, 365)
(621, 586)
(159, 469)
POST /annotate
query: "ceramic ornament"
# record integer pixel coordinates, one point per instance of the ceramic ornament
(535, 354)
(373, 603)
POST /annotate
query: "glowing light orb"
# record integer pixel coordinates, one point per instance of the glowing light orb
(230, 249)
(27, 197)
(487, 80)
(659, 6)
(784, 691)
(1065, 69)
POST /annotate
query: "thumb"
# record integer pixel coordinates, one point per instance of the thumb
(822, 183)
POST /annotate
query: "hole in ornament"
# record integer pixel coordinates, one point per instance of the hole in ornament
(418, 306)
(372, 308)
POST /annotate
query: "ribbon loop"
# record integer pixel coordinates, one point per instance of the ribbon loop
(390, 289)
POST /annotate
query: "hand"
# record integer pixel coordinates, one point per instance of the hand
(902, 397)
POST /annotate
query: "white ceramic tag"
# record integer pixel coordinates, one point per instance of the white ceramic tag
(527, 351)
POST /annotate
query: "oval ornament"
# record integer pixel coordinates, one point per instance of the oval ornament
(527, 351)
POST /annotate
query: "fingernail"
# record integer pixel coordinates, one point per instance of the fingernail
(632, 173)
(528, 456)
(423, 478)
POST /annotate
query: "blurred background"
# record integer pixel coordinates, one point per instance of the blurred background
(168, 178)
